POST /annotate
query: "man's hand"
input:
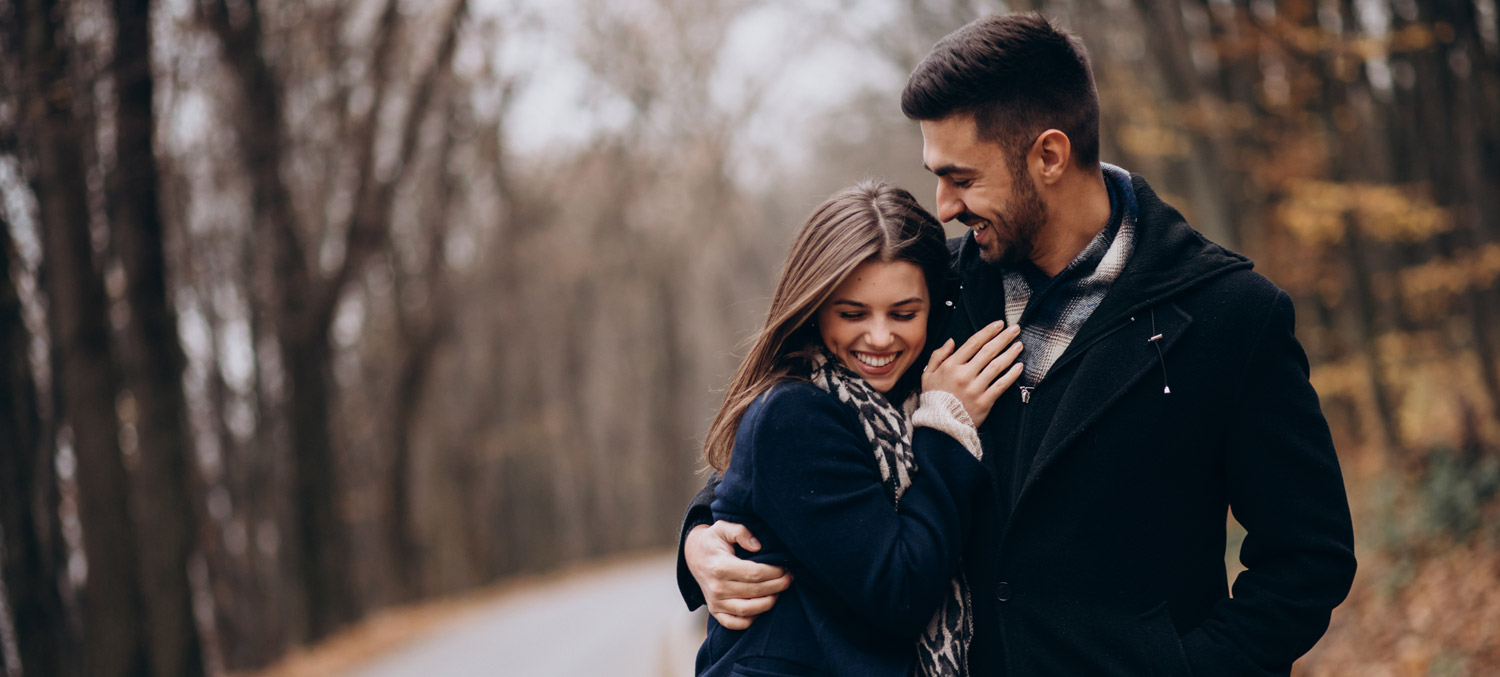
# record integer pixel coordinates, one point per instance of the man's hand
(736, 590)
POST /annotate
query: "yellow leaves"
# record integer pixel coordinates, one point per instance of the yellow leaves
(1312, 39)
(1344, 378)
(1152, 141)
(1414, 617)
(1316, 212)
(1430, 378)
(1213, 116)
(1449, 277)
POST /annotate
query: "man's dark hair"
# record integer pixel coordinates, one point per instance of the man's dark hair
(1019, 75)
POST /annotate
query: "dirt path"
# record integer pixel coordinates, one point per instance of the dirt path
(623, 619)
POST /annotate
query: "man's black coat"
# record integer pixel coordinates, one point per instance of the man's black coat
(1109, 557)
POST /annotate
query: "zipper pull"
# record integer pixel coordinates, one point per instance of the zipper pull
(1026, 394)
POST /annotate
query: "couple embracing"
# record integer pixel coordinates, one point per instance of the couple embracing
(901, 490)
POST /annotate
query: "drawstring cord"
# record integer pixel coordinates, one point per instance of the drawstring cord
(1154, 340)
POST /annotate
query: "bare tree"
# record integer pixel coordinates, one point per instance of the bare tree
(88, 379)
(31, 580)
(304, 301)
(167, 519)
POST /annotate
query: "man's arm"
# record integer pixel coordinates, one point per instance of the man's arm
(709, 572)
(1285, 488)
(698, 515)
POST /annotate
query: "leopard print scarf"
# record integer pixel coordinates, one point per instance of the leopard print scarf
(943, 648)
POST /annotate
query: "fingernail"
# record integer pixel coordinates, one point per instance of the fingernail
(754, 543)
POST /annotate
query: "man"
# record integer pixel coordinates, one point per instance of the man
(1163, 387)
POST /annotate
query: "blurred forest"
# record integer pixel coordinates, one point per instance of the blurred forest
(301, 318)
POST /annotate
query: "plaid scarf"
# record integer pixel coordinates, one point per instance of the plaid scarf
(942, 649)
(1051, 314)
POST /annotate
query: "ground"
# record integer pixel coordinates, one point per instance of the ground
(622, 617)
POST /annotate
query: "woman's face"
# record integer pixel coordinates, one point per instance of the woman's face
(876, 321)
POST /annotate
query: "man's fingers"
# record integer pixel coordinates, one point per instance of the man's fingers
(737, 533)
(732, 622)
(966, 351)
(745, 608)
(734, 569)
(742, 590)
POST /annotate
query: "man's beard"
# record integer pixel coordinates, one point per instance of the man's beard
(1016, 227)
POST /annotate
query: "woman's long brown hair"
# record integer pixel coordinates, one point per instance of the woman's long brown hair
(870, 221)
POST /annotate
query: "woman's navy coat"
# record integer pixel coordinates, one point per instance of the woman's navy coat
(869, 577)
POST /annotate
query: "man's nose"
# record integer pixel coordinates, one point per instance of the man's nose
(948, 204)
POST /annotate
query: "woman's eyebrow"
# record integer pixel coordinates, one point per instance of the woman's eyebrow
(857, 304)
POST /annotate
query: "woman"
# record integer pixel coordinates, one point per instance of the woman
(855, 472)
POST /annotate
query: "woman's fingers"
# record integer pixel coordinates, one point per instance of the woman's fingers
(942, 353)
(1005, 381)
(970, 347)
(991, 350)
(986, 400)
(999, 364)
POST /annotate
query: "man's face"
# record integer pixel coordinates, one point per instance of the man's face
(978, 186)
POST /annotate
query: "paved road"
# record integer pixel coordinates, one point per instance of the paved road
(624, 621)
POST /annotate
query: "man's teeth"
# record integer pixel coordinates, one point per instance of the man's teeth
(875, 361)
(981, 226)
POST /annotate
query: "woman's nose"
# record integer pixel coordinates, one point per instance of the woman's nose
(880, 336)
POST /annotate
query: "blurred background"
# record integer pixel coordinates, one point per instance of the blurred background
(315, 309)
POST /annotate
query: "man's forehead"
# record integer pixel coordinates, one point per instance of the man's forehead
(951, 144)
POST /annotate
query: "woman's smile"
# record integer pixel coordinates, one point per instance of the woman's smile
(875, 361)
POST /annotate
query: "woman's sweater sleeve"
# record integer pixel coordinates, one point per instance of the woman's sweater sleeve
(815, 485)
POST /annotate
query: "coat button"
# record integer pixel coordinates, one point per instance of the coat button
(1002, 591)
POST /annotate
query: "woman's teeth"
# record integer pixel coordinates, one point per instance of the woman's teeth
(874, 360)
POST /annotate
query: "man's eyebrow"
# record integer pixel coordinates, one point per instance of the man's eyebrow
(943, 170)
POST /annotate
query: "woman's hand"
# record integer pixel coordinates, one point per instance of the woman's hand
(978, 371)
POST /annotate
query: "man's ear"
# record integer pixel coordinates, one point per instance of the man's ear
(1050, 156)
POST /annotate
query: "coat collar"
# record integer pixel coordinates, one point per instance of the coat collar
(1108, 371)
(1169, 259)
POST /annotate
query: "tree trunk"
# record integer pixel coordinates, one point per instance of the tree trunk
(167, 519)
(112, 607)
(322, 540)
(31, 582)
